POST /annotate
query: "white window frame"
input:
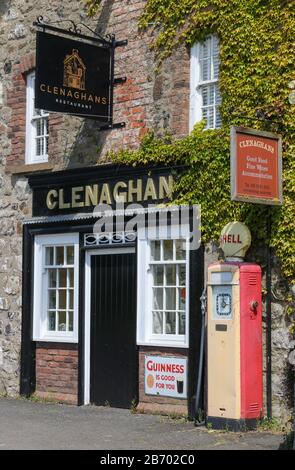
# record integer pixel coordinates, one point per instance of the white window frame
(40, 331)
(196, 101)
(30, 155)
(144, 290)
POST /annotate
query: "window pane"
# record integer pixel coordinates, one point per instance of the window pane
(158, 275)
(181, 274)
(157, 323)
(71, 277)
(168, 249)
(51, 321)
(158, 298)
(62, 278)
(71, 321)
(49, 255)
(170, 298)
(62, 299)
(170, 326)
(51, 277)
(70, 255)
(71, 299)
(170, 275)
(62, 321)
(180, 249)
(181, 298)
(59, 255)
(181, 323)
(52, 299)
(155, 250)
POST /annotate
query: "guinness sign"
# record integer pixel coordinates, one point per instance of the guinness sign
(73, 77)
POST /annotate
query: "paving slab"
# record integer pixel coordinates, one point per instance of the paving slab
(25, 424)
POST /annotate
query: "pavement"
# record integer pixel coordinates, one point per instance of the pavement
(32, 425)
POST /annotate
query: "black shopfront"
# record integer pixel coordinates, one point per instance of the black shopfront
(87, 289)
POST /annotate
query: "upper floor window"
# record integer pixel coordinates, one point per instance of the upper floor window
(36, 127)
(205, 96)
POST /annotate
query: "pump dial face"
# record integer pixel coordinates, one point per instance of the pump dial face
(223, 304)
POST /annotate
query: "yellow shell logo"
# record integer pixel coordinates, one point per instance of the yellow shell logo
(150, 381)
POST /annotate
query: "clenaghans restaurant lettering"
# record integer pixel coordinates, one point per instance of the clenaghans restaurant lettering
(121, 192)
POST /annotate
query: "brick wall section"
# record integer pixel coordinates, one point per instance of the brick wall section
(57, 372)
(153, 403)
(16, 101)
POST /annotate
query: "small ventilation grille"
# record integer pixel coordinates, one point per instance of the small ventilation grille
(252, 280)
(254, 407)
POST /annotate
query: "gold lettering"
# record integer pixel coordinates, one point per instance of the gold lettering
(48, 89)
(83, 96)
(104, 101)
(50, 202)
(97, 99)
(76, 95)
(165, 187)
(150, 190)
(69, 93)
(119, 196)
(90, 98)
(91, 195)
(42, 87)
(61, 203)
(137, 190)
(105, 195)
(76, 197)
(62, 92)
(55, 90)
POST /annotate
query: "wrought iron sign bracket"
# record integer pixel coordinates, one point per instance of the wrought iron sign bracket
(109, 127)
(119, 80)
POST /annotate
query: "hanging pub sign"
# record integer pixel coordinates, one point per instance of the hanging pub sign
(256, 166)
(73, 77)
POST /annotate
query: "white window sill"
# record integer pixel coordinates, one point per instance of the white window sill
(56, 339)
(163, 344)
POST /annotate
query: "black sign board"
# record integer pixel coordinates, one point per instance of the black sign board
(73, 77)
(83, 189)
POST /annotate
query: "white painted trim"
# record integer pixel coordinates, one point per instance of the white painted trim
(144, 308)
(87, 310)
(40, 292)
(30, 156)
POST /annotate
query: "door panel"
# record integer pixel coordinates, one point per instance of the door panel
(114, 360)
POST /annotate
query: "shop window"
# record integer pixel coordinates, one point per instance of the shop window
(37, 132)
(56, 288)
(163, 292)
(205, 96)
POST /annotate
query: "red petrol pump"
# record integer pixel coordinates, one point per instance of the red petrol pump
(234, 336)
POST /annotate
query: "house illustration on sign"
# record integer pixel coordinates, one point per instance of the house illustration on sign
(74, 71)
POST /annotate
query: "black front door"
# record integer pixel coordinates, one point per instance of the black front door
(114, 361)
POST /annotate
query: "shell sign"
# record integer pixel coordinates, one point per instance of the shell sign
(235, 240)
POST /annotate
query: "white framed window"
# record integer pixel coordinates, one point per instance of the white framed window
(56, 270)
(204, 89)
(37, 132)
(163, 292)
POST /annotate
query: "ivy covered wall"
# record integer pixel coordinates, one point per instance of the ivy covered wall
(257, 51)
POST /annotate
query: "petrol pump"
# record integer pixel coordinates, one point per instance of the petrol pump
(234, 335)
